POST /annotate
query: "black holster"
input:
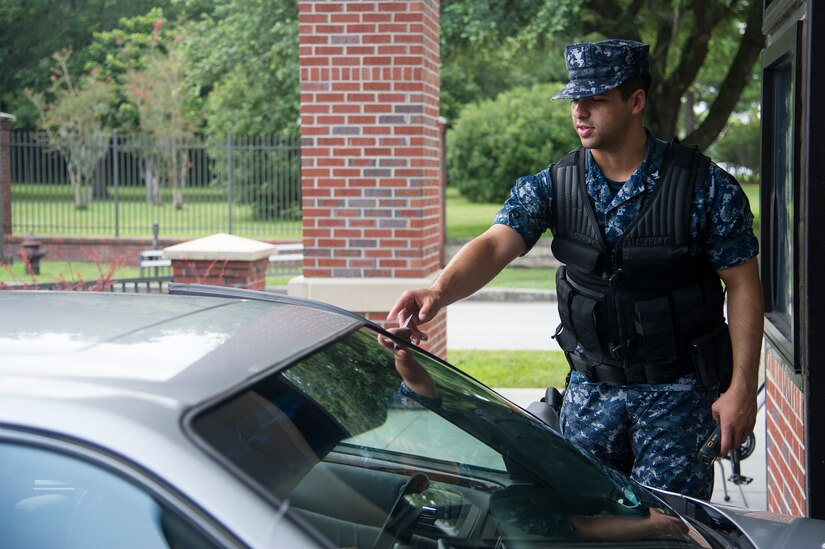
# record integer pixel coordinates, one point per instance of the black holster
(712, 356)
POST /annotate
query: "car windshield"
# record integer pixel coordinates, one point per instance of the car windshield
(370, 449)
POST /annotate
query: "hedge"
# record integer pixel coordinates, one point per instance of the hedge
(518, 133)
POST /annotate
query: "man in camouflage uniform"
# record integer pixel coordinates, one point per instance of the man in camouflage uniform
(651, 431)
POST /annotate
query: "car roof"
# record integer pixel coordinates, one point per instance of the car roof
(184, 349)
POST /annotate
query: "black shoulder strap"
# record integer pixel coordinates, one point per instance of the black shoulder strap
(688, 157)
(683, 169)
(572, 210)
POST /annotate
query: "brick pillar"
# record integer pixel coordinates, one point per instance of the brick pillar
(371, 177)
(221, 260)
(6, 123)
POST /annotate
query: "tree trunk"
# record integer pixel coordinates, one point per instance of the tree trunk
(153, 186)
(737, 78)
(99, 187)
(182, 167)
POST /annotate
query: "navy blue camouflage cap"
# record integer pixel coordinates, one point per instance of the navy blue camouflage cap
(598, 67)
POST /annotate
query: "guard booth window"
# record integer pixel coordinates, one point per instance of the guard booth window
(780, 161)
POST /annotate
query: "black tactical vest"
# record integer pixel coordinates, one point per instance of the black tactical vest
(648, 311)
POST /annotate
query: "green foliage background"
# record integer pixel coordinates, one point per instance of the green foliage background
(244, 65)
(242, 75)
(496, 141)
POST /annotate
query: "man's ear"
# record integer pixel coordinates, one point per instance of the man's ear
(638, 100)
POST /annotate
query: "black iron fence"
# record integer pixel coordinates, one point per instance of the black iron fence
(122, 184)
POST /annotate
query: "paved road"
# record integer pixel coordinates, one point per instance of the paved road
(490, 325)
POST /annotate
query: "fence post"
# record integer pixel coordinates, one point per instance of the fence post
(229, 178)
(115, 177)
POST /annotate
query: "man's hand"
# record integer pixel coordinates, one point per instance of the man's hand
(476, 264)
(422, 305)
(417, 378)
(735, 410)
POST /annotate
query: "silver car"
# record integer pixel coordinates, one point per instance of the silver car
(218, 418)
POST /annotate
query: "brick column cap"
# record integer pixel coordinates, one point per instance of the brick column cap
(7, 116)
(220, 246)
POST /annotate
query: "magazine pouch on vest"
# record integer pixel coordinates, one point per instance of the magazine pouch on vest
(647, 311)
(712, 356)
(579, 313)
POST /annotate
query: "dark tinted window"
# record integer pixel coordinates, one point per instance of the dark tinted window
(50, 500)
(780, 186)
(371, 450)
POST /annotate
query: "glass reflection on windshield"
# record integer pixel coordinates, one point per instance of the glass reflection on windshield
(374, 446)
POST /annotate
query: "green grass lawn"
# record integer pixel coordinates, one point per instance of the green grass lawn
(48, 209)
(58, 271)
(752, 192)
(512, 368)
(272, 281)
(206, 211)
(465, 219)
(525, 279)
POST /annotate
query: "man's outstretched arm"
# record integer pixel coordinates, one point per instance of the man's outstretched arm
(476, 264)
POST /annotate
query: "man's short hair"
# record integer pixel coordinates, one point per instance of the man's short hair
(639, 82)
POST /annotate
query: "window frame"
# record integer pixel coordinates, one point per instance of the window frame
(781, 329)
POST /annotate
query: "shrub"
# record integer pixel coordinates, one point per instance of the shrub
(494, 142)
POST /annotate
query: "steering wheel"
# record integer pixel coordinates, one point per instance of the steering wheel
(403, 514)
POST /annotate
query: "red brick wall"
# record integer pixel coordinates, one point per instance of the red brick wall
(369, 122)
(371, 176)
(5, 174)
(235, 274)
(785, 439)
(103, 250)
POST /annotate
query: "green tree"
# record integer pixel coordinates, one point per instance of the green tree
(116, 52)
(243, 56)
(160, 97)
(490, 46)
(471, 76)
(243, 60)
(34, 29)
(738, 146)
(687, 36)
(73, 124)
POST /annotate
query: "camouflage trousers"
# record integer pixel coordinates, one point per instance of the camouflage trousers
(652, 433)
